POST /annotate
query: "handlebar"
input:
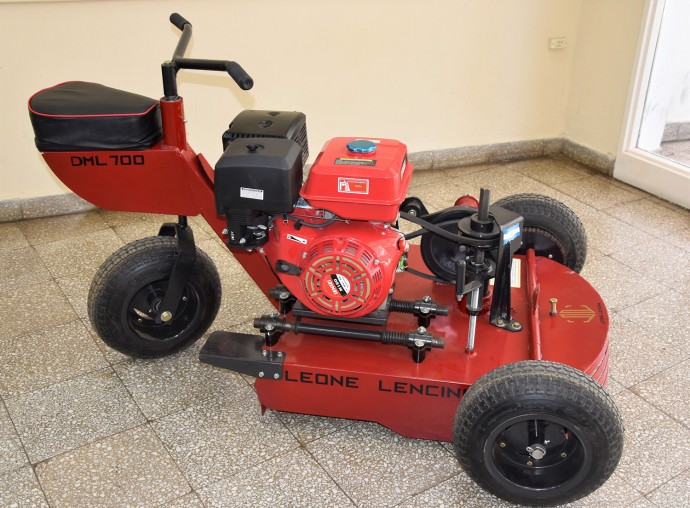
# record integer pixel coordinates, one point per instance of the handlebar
(236, 72)
(177, 20)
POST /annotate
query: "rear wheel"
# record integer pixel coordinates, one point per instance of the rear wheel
(538, 433)
(128, 289)
(551, 229)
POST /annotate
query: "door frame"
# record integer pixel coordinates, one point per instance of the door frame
(653, 173)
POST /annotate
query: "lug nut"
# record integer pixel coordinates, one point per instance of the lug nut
(564, 455)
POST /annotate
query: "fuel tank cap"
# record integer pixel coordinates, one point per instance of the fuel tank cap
(361, 146)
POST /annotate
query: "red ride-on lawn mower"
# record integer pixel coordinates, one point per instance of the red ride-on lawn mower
(483, 335)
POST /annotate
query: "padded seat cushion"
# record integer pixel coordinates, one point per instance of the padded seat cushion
(88, 116)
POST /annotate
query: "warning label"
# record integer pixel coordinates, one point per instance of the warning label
(344, 161)
(353, 185)
(516, 269)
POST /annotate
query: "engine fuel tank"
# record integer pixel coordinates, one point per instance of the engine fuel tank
(359, 179)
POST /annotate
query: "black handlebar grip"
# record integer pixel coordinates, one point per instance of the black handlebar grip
(243, 80)
(179, 21)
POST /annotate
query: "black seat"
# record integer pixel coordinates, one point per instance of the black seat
(87, 116)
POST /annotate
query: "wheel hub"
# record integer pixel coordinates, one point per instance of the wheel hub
(536, 451)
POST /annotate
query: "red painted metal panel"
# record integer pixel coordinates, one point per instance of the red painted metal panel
(420, 400)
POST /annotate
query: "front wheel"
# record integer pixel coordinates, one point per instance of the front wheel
(129, 287)
(538, 433)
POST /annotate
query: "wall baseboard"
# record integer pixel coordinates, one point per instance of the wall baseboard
(513, 151)
(62, 204)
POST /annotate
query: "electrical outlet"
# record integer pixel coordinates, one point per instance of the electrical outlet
(558, 43)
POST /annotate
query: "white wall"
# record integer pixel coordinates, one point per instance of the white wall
(607, 36)
(435, 74)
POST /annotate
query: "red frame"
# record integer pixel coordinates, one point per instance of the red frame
(349, 378)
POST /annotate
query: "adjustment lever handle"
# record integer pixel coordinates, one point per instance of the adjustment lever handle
(461, 288)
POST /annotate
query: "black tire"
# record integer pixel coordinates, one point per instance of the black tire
(579, 431)
(135, 277)
(551, 229)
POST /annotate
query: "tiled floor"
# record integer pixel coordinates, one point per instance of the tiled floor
(82, 425)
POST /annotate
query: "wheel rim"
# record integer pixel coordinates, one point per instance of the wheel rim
(145, 305)
(544, 244)
(559, 456)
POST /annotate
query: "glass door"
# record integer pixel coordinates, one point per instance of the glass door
(655, 149)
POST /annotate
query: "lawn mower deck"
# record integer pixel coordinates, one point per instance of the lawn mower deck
(353, 379)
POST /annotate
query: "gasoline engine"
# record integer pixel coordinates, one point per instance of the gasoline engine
(331, 241)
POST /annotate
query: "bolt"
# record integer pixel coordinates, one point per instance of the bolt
(564, 455)
(184, 298)
(264, 352)
(376, 261)
(225, 231)
(419, 343)
(426, 299)
(553, 306)
(261, 374)
(424, 310)
(304, 255)
(166, 316)
(530, 463)
(421, 330)
(284, 295)
(140, 320)
(516, 325)
(502, 444)
(500, 322)
(270, 327)
(276, 376)
(280, 354)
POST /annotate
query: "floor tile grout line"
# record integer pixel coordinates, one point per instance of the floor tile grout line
(19, 437)
(337, 484)
(684, 425)
(666, 483)
(62, 381)
(651, 403)
(167, 451)
(89, 442)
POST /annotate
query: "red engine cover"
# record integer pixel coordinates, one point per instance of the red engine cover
(344, 269)
(359, 186)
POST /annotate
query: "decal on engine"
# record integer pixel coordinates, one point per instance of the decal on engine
(340, 284)
(346, 161)
(297, 239)
(246, 192)
(353, 185)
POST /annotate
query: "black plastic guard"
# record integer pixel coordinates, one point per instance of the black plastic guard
(243, 353)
